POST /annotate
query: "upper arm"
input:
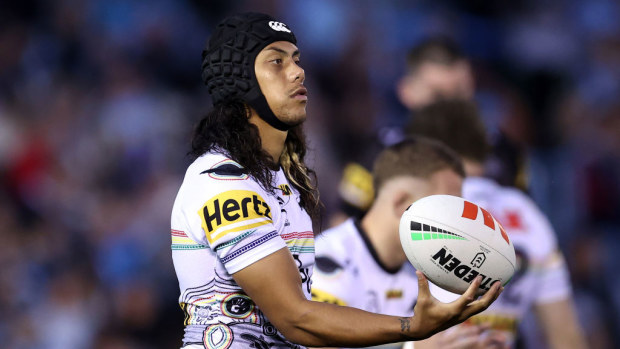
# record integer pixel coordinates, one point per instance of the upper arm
(274, 284)
(234, 219)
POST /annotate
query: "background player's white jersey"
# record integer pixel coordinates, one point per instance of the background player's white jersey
(223, 221)
(348, 272)
(541, 274)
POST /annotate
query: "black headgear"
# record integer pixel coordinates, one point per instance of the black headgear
(228, 60)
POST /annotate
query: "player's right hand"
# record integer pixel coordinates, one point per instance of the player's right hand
(432, 316)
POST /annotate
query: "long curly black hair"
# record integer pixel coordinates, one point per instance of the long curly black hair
(226, 128)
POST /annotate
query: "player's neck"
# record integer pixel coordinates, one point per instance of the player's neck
(272, 139)
(473, 168)
(383, 236)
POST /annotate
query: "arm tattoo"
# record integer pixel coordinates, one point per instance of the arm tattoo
(405, 324)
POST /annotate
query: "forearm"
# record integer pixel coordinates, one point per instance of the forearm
(323, 324)
(274, 284)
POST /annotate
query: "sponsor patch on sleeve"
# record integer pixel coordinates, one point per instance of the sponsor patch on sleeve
(554, 260)
(326, 297)
(497, 321)
(233, 211)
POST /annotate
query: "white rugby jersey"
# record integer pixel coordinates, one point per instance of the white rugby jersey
(223, 221)
(348, 272)
(541, 275)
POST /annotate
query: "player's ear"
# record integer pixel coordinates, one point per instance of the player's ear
(404, 91)
(402, 200)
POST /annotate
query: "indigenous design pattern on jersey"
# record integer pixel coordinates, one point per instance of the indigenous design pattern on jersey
(348, 272)
(541, 275)
(223, 221)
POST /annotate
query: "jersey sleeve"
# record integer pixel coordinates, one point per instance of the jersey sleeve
(333, 280)
(548, 263)
(553, 279)
(233, 217)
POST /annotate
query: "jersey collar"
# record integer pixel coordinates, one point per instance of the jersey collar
(371, 248)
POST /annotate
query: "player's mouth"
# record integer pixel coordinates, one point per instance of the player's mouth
(300, 93)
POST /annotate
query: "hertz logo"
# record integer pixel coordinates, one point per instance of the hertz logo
(233, 211)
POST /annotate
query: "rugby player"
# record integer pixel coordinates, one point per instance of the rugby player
(541, 283)
(360, 263)
(436, 69)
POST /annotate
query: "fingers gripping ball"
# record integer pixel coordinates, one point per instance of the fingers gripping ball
(452, 240)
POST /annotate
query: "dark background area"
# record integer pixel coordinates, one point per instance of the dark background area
(98, 99)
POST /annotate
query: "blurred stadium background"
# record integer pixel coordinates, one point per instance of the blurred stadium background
(98, 99)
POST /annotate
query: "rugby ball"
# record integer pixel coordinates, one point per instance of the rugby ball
(452, 240)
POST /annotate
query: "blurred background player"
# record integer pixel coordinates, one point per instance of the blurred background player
(436, 69)
(360, 263)
(541, 283)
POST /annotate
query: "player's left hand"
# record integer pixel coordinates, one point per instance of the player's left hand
(432, 316)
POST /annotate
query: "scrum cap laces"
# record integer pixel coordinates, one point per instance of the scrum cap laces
(228, 61)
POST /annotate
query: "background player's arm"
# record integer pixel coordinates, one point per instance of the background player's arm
(275, 286)
(554, 307)
(559, 323)
(465, 336)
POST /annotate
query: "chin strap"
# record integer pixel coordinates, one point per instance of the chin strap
(259, 103)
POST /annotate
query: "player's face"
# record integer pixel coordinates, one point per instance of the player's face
(281, 80)
(433, 81)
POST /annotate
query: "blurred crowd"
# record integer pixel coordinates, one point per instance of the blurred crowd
(98, 99)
